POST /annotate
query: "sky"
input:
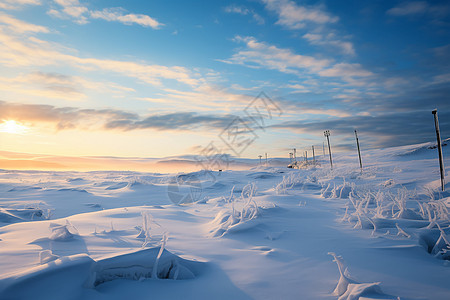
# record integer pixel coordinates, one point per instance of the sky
(171, 78)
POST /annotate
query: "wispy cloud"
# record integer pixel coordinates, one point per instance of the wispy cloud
(419, 8)
(33, 52)
(205, 97)
(60, 86)
(21, 26)
(119, 15)
(330, 39)
(73, 9)
(64, 118)
(17, 4)
(173, 121)
(345, 70)
(294, 16)
(260, 54)
(409, 8)
(314, 19)
(242, 10)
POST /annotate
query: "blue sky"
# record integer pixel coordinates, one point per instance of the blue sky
(164, 78)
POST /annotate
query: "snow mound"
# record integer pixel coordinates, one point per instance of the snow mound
(61, 233)
(262, 175)
(141, 265)
(228, 222)
(70, 274)
(20, 215)
(47, 256)
(62, 279)
(117, 186)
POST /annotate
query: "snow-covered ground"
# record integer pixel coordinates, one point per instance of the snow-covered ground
(263, 233)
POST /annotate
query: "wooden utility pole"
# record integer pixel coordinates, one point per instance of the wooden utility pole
(259, 159)
(266, 159)
(295, 154)
(326, 133)
(314, 156)
(359, 151)
(439, 146)
(306, 155)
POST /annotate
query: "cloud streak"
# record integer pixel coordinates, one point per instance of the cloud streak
(419, 8)
(18, 4)
(57, 85)
(19, 52)
(294, 16)
(64, 118)
(241, 10)
(314, 19)
(21, 26)
(260, 54)
(73, 9)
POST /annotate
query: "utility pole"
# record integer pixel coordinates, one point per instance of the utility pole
(266, 159)
(359, 151)
(439, 146)
(314, 156)
(259, 159)
(326, 133)
(306, 156)
(295, 154)
(290, 157)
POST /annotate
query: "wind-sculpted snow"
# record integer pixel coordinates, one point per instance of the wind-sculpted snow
(71, 273)
(156, 263)
(256, 234)
(349, 289)
(10, 215)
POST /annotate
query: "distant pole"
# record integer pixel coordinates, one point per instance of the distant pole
(290, 157)
(438, 137)
(314, 156)
(259, 159)
(327, 134)
(266, 159)
(306, 155)
(359, 151)
(295, 154)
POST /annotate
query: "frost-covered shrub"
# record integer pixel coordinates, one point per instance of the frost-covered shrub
(237, 214)
(288, 182)
(150, 230)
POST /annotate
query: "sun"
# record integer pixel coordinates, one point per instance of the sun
(11, 126)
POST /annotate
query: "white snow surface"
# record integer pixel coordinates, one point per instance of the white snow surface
(264, 233)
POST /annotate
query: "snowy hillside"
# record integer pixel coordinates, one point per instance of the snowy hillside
(264, 233)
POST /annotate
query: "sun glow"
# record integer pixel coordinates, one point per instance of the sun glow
(11, 126)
